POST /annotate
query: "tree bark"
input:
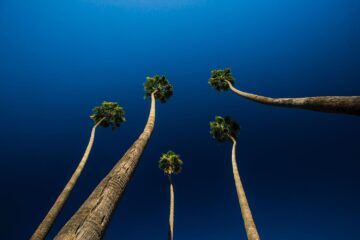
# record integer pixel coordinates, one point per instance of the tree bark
(331, 104)
(92, 218)
(46, 224)
(249, 223)
(171, 215)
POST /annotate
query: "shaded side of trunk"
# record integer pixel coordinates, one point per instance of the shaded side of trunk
(331, 104)
(45, 226)
(249, 223)
(92, 218)
(171, 215)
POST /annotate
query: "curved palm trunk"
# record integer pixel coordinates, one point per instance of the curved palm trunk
(250, 227)
(92, 218)
(45, 226)
(331, 104)
(171, 216)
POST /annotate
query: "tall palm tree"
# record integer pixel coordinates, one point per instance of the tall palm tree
(108, 114)
(92, 218)
(225, 129)
(222, 80)
(171, 163)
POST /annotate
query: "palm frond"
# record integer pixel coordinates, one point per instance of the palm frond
(110, 114)
(218, 77)
(223, 127)
(161, 85)
(170, 163)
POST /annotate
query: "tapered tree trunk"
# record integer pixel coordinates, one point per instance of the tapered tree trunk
(48, 221)
(171, 215)
(331, 104)
(92, 218)
(249, 223)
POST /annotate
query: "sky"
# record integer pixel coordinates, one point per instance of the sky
(300, 169)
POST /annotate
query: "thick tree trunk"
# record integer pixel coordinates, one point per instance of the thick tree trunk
(92, 218)
(171, 215)
(48, 221)
(250, 227)
(331, 104)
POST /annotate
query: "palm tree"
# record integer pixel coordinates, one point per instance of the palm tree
(171, 163)
(222, 80)
(225, 129)
(108, 114)
(92, 218)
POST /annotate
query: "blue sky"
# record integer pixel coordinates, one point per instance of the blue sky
(149, 5)
(59, 59)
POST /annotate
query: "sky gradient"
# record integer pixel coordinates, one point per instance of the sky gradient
(300, 169)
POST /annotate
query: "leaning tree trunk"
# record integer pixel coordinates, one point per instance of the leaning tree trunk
(92, 218)
(48, 221)
(250, 227)
(171, 215)
(331, 104)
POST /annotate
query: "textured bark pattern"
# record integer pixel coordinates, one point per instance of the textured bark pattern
(331, 104)
(171, 215)
(92, 218)
(49, 219)
(249, 223)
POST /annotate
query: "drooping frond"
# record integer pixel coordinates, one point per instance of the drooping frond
(111, 113)
(170, 163)
(224, 127)
(161, 85)
(218, 78)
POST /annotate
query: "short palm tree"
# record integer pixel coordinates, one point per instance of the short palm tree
(225, 129)
(108, 114)
(222, 80)
(171, 163)
(92, 218)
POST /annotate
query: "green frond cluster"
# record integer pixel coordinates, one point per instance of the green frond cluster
(111, 113)
(161, 85)
(170, 163)
(218, 78)
(224, 127)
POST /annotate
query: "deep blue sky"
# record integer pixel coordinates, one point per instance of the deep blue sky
(59, 59)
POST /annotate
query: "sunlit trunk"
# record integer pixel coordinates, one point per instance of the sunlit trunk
(250, 227)
(48, 221)
(92, 218)
(331, 104)
(171, 215)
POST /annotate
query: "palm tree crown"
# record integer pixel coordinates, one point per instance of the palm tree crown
(223, 128)
(218, 78)
(170, 163)
(109, 113)
(161, 85)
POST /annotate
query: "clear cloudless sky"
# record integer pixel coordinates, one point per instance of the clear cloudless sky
(300, 169)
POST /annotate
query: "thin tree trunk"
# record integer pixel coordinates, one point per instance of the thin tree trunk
(249, 223)
(45, 226)
(331, 104)
(171, 215)
(92, 218)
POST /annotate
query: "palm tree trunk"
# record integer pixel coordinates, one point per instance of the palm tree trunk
(45, 226)
(250, 227)
(92, 218)
(331, 104)
(171, 217)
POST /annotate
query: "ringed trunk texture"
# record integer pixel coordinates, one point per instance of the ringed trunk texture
(92, 218)
(171, 215)
(249, 223)
(45, 226)
(331, 104)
